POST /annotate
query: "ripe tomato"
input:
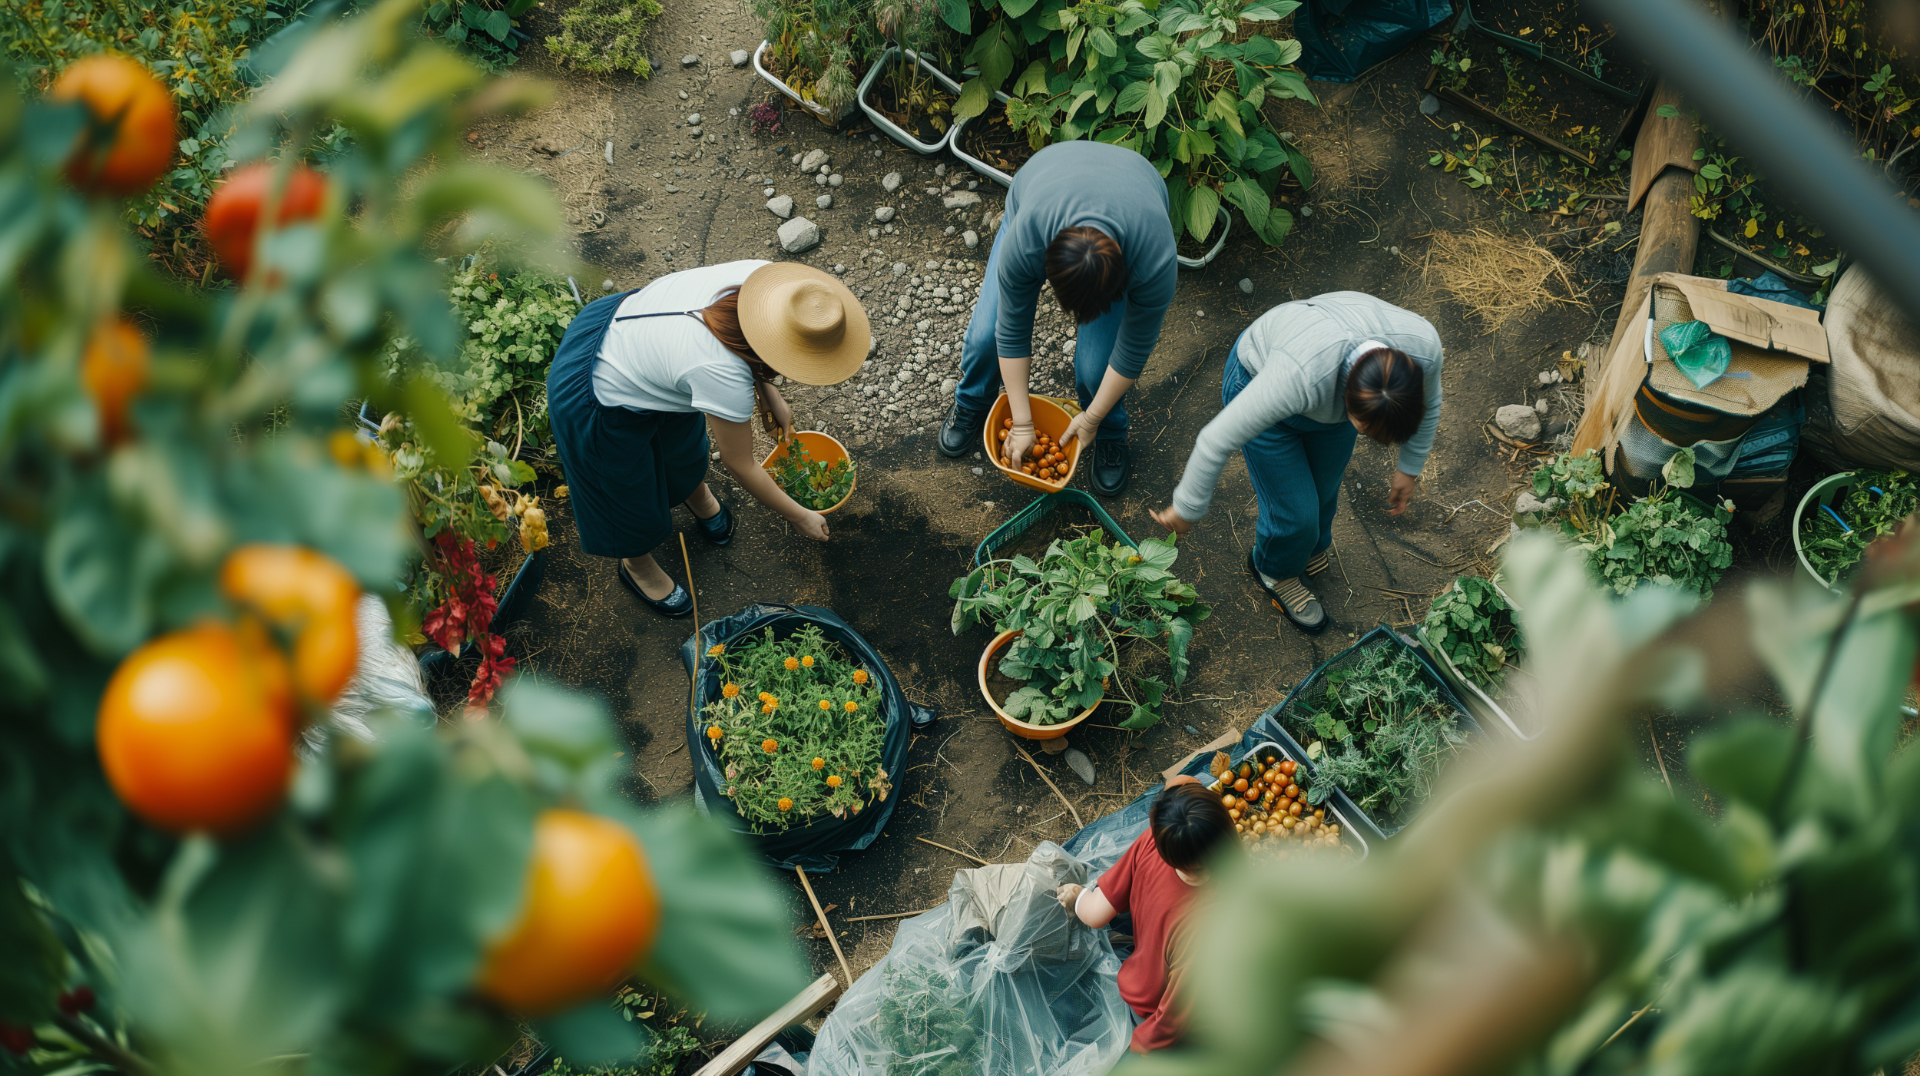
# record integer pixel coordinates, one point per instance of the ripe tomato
(233, 213)
(114, 370)
(591, 912)
(130, 136)
(309, 594)
(195, 730)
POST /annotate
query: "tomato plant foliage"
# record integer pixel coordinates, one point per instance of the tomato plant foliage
(348, 925)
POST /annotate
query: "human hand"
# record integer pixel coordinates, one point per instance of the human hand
(1171, 519)
(1019, 443)
(1083, 427)
(1067, 895)
(1401, 492)
(812, 524)
(778, 416)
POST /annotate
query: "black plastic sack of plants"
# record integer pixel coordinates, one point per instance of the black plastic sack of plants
(1341, 39)
(812, 845)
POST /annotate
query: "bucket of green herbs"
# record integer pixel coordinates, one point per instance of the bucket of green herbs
(1377, 726)
(814, 469)
(1845, 513)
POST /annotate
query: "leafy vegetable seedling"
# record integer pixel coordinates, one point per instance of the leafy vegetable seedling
(816, 484)
(1834, 541)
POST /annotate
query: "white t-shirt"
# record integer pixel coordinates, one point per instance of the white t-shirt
(673, 363)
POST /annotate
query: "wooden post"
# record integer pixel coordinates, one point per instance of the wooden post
(815, 997)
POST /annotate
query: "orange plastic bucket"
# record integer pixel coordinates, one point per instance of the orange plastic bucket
(1015, 725)
(819, 446)
(1048, 418)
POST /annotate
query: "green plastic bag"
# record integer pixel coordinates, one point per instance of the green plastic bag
(1697, 350)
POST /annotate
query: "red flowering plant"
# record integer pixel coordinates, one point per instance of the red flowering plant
(467, 613)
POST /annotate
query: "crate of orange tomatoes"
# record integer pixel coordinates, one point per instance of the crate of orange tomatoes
(1270, 810)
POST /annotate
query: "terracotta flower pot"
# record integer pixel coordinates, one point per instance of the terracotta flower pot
(1014, 725)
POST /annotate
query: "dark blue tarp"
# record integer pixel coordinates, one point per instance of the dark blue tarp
(1341, 39)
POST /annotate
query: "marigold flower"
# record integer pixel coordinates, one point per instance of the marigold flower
(852, 706)
(767, 709)
(825, 705)
(807, 661)
(765, 697)
(714, 733)
(833, 780)
(716, 650)
(769, 746)
(859, 676)
(786, 804)
(728, 691)
(819, 763)
(792, 664)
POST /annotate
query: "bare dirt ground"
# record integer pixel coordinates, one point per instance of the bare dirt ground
(673, 199)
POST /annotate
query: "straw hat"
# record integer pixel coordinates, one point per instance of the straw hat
(806, 324)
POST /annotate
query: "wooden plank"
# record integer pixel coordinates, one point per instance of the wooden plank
(731, 1060)
(1663, 142)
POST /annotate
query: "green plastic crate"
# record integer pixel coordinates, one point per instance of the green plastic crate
(1024, 520)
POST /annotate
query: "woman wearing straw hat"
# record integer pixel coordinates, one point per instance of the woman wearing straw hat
(639, 375)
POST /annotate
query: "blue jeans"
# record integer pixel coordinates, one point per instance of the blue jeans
(1296, 466)
(980, 359)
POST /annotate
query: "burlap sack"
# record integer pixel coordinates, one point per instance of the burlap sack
(1871, 416)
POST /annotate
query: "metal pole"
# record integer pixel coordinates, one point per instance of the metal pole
(1792, 143)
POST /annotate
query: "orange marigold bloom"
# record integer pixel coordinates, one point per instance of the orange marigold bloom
(807, 661)
(859, 676)
(819, 763)
(825, 705)
(833, 780)
(728, 691)
(713, 733)
(767, 709)
(786, 804)
(769, 746)
(716, 650)
(792, 664)
(765, 697)
(852, 706)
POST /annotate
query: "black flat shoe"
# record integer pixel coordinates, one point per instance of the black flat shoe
(1112, 463)
(960, 433)
(677, 604)
(716, 528)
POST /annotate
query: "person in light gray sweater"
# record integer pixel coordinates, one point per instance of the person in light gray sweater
(1091, 220)
(1300, 385)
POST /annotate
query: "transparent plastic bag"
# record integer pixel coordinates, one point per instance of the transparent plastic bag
(386, 677)
(998, 981)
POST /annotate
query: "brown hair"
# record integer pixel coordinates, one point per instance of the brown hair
(1087, 272)
(1386, 395)
(722, 318)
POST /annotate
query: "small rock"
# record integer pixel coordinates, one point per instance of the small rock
(819, 180)
(948, 386)
(781, 206)
(970, 238)
(671, 189)
(883, 214)
(899, 270)
(768, 191)
(689, 60)
(733, 112)
(546, 145)
(825, 201)
(609, 153)
(839, 268)
(939, 169)
(951, 229)
(693, 119)
(961, 200)
(973, 184)
(1079, 763)
(891, 182)
(873, 233)
(979, 470)
(740, 57)
(1541, 405)
(836, 179)
(1526, 502)
(1246, 286)
(1191, 731)
(1429, 104)
(1549, 377)
(799, 235)
(1306, 211)
(813, 160)
(1518, 421)
(606, 285)
(683, 95)
(694, 131)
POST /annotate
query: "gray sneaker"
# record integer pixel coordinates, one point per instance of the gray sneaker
(1293, 599)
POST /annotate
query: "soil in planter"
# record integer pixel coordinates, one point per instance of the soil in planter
(988, 138)
(1558, 26)
(1196, 249)
(1538, 96)
(927, 111)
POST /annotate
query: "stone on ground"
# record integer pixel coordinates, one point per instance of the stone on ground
(781, 206)
(813, 160)
(825, 201)
(1080, 764)
(800, 234)
(689, 60)
(961, 200)
(970, 238)
(1518, 421)
(1246, 286)
(693, 119)
(883, 214)
(891, 182)
(740, 57)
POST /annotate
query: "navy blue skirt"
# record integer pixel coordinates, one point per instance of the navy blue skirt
(626, 469)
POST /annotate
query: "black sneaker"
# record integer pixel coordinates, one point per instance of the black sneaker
(1112, 463)
(960, 433)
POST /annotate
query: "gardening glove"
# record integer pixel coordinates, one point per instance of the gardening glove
(1019, 443)
(1084, 426)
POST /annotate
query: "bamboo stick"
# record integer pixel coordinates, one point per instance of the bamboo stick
(824, 925)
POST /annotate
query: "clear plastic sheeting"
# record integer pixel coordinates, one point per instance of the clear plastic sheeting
(386, 678)
(998, 981)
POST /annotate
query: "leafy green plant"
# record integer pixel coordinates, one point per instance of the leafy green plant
(930, 1021)
(1668, 537)
(1380, 731)
(815, 46)
(800, 729)
(483, 29)
(670, 1044)
(1475, 627)
(604, 37)
(1878, 503)
(1182, 84)
(817, 484)
(1073, 608)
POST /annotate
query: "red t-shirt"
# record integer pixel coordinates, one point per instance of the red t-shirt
(1142, 883)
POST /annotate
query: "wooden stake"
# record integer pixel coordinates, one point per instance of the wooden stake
(955, 851)
(824, 925)
(809, 1001)
(889, 915)
(1077, 824)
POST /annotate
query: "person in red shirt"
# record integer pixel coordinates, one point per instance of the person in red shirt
(1156, 879)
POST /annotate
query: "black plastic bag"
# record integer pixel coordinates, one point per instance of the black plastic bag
(1341, 39)
(810, 846)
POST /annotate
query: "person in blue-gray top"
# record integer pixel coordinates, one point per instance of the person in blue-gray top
(1301, 384)
(1090, 219)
